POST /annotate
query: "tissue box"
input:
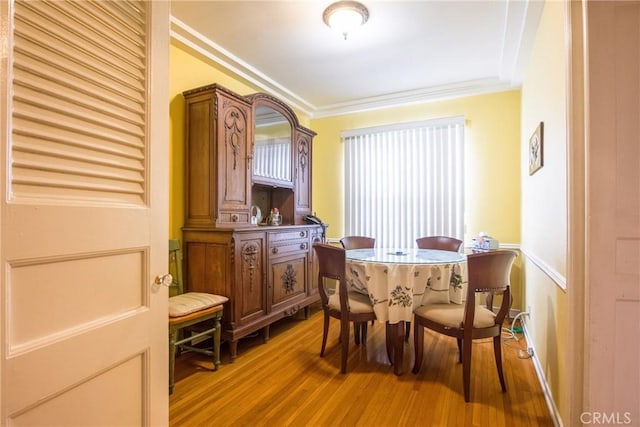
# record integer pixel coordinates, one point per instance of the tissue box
(485, 243)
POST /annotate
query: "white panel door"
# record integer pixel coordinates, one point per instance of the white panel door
(613, 359)
(84, 216)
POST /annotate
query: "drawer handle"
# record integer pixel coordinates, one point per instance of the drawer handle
(274, 250)
(302, 234)
(234, 218)
(303, 246)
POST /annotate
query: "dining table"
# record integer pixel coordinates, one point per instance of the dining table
(398, 280)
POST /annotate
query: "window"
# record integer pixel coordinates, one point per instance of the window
(405, 181)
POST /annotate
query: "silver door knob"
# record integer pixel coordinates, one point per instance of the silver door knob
(164, 280)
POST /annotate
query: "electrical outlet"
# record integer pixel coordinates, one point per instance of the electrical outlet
(529, 311)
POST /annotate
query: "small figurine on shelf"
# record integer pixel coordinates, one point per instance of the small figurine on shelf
(275, 218)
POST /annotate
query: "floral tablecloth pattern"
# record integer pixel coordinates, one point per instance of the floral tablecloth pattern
(396, 289)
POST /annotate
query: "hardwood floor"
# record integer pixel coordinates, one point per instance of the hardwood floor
(285, 382)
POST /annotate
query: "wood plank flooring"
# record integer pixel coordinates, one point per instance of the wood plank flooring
(285, 382)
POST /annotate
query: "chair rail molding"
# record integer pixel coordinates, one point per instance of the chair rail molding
(553, 274)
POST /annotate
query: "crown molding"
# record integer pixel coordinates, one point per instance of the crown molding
(520, 25)
(421, 96)
(191, 39)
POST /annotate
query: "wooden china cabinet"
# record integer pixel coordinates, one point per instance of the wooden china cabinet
(246, 154)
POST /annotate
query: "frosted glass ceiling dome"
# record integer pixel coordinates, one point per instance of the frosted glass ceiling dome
(345, 16)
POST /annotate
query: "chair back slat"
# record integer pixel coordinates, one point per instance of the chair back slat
(357, 242)
(175, 267)
(490, 271)
(443, 243)
(332, 265)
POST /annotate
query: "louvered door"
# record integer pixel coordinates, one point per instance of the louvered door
(84, 220)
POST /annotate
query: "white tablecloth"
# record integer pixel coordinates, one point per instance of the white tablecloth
(399, 280)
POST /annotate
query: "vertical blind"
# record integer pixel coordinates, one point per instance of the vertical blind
(273, 160)
(405, 181)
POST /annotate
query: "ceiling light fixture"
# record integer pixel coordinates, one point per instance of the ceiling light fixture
(345, 16)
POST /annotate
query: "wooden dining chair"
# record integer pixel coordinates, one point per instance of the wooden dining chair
(196, 314)
(488, 273)
(338, 302)
(357, 242)
(443, 243)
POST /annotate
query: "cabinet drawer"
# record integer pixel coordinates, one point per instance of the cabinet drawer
(284, 248)
(281, 236)
(233, 217)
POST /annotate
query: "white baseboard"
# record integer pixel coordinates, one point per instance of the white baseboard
(555, 415)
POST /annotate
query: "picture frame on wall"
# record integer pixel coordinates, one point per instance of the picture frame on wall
(536, 149)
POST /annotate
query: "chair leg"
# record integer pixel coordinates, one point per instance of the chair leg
(179, 336)
(389, 341)
(325, 332)
(459, 341)
(363, 333)
(344, 334)
(173, 336)
(418, 344)
(407, 331)
(466, 367)
(357, 326)
(398, 346)
(216, 344)
(497, 351)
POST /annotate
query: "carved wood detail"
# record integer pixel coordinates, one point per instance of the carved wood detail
(289, 279)
(235, 127)
(303, 155)
(250, 253)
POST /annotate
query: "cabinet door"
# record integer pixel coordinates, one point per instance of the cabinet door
(288, 280)
(200, 205)
(251, 275)
(303, 173)
(234, 133)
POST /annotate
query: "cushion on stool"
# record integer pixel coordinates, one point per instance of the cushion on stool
(190, 302)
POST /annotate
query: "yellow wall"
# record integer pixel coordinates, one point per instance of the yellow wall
(492, 200)
(544, 195)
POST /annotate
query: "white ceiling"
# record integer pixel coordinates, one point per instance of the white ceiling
(408, 51)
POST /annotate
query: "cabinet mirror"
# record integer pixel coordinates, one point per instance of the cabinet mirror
(272, 147)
